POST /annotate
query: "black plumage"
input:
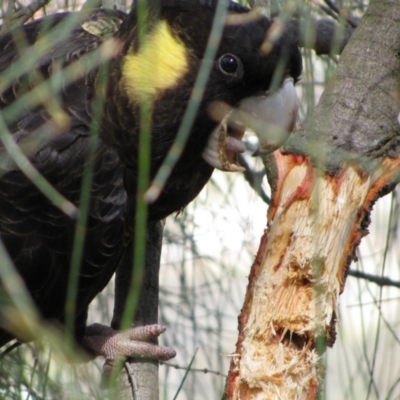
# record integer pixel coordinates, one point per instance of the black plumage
(37, 235)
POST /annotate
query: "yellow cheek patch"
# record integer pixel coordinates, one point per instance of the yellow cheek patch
(160, 64)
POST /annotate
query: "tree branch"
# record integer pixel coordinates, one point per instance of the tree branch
(327, 37)
(332, 6)
(140, 375)
(324, 182)
(379, 280)
(25, 13)
(13, 19)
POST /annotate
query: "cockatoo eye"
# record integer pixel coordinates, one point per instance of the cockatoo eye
(231, 67)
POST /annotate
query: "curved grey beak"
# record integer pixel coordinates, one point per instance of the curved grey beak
(271, 117)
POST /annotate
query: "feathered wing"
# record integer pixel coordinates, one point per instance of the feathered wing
(54, 131)
(54, 135)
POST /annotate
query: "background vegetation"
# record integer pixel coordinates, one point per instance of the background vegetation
(207, 253)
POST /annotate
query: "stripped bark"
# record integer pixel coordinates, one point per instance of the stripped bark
(324, 182)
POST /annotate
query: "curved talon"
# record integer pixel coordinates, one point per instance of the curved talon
(134, 342)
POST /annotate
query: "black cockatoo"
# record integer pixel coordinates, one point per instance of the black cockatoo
(157, 66)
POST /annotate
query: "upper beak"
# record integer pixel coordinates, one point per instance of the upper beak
(271, 117)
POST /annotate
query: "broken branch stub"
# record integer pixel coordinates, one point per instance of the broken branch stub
(324, 182)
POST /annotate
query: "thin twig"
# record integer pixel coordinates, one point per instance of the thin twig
(254, 179)
(27, 12)
(329, 12)
(13, 19)
(203, 370)
(379, 280)
(9, 349)
(186, 374)
(331, 4)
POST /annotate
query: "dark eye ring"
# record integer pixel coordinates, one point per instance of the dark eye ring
(231, 66)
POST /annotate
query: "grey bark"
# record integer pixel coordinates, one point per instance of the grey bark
(357, 116)
(354, 130)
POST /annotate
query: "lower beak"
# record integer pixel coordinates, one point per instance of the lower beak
(271, 117)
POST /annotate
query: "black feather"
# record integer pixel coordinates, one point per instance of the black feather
(37, 235)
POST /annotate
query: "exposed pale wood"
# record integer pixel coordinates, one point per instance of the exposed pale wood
(314, 226)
